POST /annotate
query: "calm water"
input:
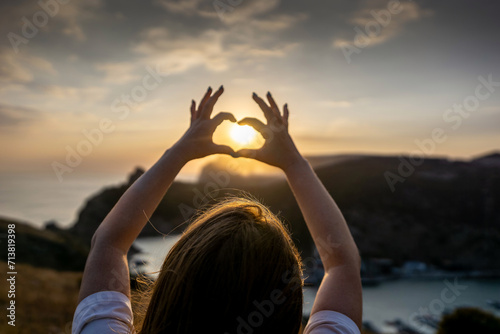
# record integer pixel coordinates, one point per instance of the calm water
(388, 301)
(38, 198)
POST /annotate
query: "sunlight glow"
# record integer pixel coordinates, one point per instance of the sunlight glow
(242, 134)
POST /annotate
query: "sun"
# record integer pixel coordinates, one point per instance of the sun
(243, 134)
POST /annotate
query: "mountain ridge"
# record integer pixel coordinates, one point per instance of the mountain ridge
(445, 212)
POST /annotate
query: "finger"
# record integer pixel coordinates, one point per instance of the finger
(274, 106)
(254, 123)
(223, 149)
(247, 153)
(209, 106)
(286, 113)
(223, 116)
(268, 113)
(205, 99)
(193, 110)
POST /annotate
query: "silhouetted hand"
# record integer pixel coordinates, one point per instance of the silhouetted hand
(278, 149)
(197, 141)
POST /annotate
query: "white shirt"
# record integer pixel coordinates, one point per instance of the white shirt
(110, 312)
(330, 322)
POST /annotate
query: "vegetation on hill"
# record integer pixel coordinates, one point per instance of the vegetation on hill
(469, 320)
(45, 300)
(49, 248)
(441, 212)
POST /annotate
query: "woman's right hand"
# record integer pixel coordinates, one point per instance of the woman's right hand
(278, 149)
(197, 141)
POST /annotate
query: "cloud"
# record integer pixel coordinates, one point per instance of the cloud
(339, 130)
(119, 72)
(390, 26)
(335, 104)
(175, 53)
(216, 50)
(229, 14)
(14, 116)
(186, 7)
(245, 11)
(278, 22)
(251, 38)
(63, 18)
(75, 13)
(22, 68)
(88, 95)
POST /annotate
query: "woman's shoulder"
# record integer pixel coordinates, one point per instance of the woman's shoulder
(330, 322)
(103, 312)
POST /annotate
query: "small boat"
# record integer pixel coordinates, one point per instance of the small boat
(428, 320)
(367, 325)
(402, 327)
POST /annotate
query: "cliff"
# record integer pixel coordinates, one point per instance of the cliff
(436, 210)
(57, 249)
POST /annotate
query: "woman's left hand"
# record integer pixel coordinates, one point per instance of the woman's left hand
(197, 141)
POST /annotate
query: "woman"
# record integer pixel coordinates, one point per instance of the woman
(235, 269)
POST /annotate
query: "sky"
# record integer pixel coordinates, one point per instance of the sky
(113, 80)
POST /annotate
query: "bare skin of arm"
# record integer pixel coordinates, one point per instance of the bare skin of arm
(340, 289)
(107, 268)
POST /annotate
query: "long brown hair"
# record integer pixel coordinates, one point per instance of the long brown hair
(234, 270)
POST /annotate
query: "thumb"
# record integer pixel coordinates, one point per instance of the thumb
(223, 149)
(223, 116)
(247, 153)
(253, 122)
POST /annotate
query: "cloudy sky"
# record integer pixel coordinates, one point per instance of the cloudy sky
(359, 76)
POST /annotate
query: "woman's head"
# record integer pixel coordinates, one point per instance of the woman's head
(234, 270)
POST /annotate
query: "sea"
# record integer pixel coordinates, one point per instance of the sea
(402, 299)
(36, 198)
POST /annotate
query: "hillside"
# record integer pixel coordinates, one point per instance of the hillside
(49, 248)
(445, 213)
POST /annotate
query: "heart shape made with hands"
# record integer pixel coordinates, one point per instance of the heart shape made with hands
(237, 136)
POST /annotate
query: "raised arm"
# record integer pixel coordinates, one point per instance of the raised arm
(107, 268)
(340, 289)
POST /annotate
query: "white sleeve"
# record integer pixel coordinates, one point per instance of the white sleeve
(330, 322)
(103, 312)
